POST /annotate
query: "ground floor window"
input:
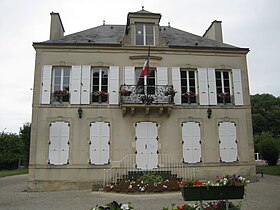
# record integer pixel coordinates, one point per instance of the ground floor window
(99, 143)
(59, 143)
(191, 142)
(228, 141)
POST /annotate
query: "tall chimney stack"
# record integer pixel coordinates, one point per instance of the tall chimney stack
(214, 31)
(57, 29)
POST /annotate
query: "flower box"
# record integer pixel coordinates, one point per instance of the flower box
(212, 193)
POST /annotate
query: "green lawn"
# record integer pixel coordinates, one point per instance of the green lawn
(271, 170)
(13, 172)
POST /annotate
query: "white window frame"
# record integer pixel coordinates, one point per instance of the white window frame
(63, 68)
(144, 34)
(187, 70)
(222, 71)
(100, 82)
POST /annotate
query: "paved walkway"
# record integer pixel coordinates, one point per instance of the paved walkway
(264, 194)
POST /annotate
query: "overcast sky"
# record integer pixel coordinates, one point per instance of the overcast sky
(254, 24)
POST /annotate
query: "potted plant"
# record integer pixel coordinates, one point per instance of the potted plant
(228, 187)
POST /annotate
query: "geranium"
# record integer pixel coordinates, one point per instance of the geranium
(114, 206)
(228, 180)
(206, 206)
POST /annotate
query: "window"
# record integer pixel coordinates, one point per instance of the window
(150, 80)
(59, 143)
(99, 143)
(223, 86)
(144, 34)
(191, 142)
(188, 86)
(99, 84)
(61, 81)
(228, 141)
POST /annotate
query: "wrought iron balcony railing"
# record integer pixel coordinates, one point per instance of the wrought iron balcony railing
(149, 94)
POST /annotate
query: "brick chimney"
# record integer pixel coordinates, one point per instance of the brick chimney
(57, 29)
(214, 31)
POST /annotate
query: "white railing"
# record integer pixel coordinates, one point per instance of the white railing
(166, 162)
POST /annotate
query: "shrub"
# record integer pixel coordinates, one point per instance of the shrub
(150, 177)
(269, 149)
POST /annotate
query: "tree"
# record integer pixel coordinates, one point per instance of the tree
(268, 147)
(25, 134)
(266, 114)
(11, 148)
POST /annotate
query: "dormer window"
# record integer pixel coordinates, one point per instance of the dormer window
(145, 34)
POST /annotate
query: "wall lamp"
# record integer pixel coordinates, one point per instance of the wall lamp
(209, 112)
(80, 112)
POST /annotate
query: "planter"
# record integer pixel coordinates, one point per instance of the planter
(212, 193)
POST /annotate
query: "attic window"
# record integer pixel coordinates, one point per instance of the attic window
(144, 34)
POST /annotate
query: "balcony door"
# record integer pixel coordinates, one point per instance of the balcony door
(146, 145)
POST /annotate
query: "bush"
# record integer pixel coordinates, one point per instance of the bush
(269, 149)
(150, 177)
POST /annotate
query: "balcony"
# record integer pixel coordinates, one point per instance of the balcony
(147, 98)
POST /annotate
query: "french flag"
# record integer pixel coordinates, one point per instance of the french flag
(146, 68)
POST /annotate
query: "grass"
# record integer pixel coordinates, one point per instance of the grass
(4, 173)
(270, 170)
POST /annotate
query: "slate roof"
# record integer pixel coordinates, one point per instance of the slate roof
(114, 35)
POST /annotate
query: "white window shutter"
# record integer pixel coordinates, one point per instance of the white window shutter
(46, 84)
(85, 85)
(191, 142)
(104, 143)
(59, 143)
(99, 143)
(75, 92)
(203, 86)
(176, 81)
(114, 85)
(146, 145)
(54, 143)
(212, 86)
(64, 143)
(162, 76)
(227, 138)
(94, 152)
(129, 75)
(237, 85)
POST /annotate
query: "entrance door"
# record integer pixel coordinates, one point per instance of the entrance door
(146, 145)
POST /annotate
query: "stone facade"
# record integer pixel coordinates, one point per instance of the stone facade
(172, 51)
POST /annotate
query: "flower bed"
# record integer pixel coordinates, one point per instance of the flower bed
(217, 205)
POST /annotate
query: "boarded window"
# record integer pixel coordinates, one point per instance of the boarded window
(191, 142)
(59, 143)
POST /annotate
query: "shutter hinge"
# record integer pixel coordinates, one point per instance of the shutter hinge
(135, 138)
(157, 138)
(219, 141)
(109, 143)
(68, 142)
(182, 142)
(200, 141)
(49, 162)
(200, 160)
(89, 161)
(49, 142)
(236, 141)
(237, 158)
(157, 152)
(67, 161)
(182, 124)
(89, 142)
(136, 152)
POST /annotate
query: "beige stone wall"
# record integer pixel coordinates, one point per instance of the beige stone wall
(80, 174)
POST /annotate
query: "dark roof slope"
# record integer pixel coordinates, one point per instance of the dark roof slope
(114, 34)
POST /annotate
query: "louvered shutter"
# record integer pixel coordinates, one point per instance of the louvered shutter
(203, 86)
(227, 138)
(237, 85)
(46, 84)
(191, 142)
(212, 86)
(99, 143)
(129, 75)
(85, 85)
(75, 91)
(176, 81)
(162, 77)
(114, 85)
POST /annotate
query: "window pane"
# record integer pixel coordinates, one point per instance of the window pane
(57, 71)
(149, 40)
(66, 71)
(184, 82)
(218, 74)
(149, 30)
(139, 34)
(183, 74)
(191, 74)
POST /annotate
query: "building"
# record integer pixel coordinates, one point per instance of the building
(95, 120)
